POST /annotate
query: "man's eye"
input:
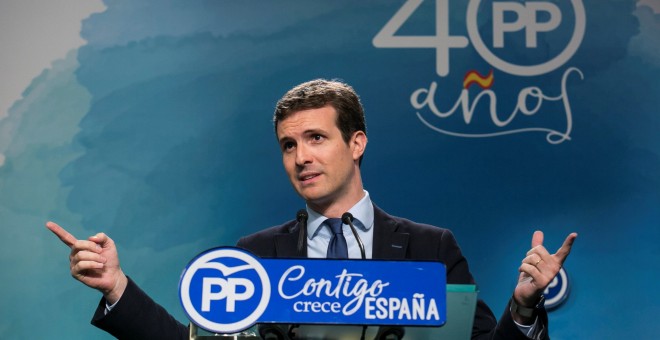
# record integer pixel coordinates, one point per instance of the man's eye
(317, 137)
(287, 146)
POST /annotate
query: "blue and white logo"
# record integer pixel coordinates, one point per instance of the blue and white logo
(557, 291)
(224, 290)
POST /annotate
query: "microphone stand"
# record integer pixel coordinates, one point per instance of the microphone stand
(301, 217)
(347, 218)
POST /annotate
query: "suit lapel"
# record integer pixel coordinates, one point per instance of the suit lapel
(388, 242)
(286, 244)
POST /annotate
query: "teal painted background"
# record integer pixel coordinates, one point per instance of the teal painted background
(156, 130)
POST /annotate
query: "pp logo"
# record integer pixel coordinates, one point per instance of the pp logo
(224, 290)
(557, 291)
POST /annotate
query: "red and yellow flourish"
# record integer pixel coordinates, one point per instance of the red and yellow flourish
(473, 77)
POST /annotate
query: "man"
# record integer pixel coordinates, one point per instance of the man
(321, 131)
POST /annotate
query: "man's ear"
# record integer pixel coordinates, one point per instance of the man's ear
(358, 144)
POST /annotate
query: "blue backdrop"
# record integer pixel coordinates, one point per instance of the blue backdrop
(158, 132)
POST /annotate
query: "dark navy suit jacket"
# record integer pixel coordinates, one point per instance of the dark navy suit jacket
(137, 316)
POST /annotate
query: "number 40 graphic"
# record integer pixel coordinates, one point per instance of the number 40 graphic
(526, 14)
(442, 41)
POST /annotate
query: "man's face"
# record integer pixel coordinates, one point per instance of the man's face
(322, 168)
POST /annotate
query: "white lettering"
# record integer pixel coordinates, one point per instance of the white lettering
(381, 304)
(207, 291)
(404, 310)
(342, 284)
(390, 308)
(426, 98)
(418, 306)
(526, 17)
(285, 277)
(227, 291)
(432, 311)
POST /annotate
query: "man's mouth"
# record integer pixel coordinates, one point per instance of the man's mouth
(306, 177)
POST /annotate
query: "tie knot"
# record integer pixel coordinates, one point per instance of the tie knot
(335, 225)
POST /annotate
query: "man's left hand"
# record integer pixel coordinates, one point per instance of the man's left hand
(538, 269)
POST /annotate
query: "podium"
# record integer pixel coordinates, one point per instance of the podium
(232, 294)
(461, 305)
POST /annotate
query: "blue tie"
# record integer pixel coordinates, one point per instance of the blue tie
(337, 249)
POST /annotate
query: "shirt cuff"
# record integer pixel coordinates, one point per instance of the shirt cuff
(108, 308)
(528, 330)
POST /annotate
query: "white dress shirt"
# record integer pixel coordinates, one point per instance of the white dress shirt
(319, 234)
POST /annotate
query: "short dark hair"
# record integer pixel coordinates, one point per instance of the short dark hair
(318, 93)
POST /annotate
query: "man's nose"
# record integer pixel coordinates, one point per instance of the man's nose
(303, 155)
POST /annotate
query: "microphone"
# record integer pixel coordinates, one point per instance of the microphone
(272, 332)
(347, 218)
(390, 332)
(301, 217)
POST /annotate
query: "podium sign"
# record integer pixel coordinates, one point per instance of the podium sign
(227, 289)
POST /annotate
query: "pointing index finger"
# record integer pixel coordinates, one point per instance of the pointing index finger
(62, 234)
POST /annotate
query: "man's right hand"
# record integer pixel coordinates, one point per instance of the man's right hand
(94, 262)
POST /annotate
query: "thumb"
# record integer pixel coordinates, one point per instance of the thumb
(102, 240)
(537, 239)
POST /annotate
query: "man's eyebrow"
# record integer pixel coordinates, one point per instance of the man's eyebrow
(314, 131)
(305, 133)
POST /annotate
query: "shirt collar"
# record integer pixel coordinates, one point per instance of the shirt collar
(362, 211)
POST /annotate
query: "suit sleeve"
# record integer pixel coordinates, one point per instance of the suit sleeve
(137, 316)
